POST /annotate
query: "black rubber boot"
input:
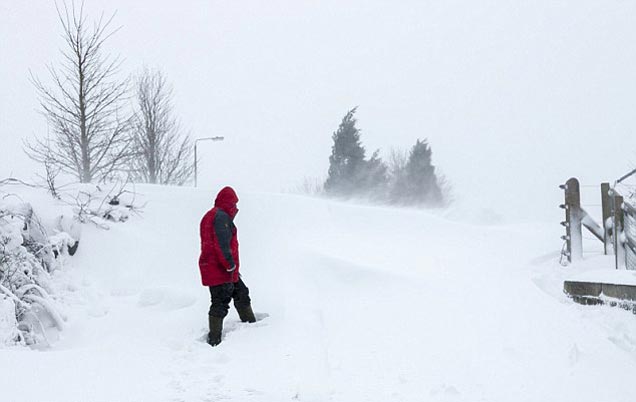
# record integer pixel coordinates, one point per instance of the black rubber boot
(216, 330)
(246, 314)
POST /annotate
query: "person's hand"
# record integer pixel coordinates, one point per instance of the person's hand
(231, 269)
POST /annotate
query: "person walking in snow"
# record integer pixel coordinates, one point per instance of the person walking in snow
(219, 264)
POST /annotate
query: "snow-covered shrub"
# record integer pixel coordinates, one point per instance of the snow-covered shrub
(27, 256)
(93, 204)
(9, 332)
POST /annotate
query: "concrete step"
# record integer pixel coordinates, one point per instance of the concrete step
(592, 293)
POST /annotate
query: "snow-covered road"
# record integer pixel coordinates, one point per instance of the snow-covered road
(365, 304)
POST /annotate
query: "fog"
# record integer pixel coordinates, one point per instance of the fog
(514, 97)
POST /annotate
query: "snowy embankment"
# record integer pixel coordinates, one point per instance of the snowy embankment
(365, 304)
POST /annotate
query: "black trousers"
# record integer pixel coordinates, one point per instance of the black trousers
(221, 296)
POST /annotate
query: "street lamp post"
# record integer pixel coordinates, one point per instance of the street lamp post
(195, 153)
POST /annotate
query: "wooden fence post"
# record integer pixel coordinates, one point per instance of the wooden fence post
(606, 205)
(619, 247)
(629, 235)
(572, 223)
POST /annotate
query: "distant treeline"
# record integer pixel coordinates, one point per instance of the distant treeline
(409, 178)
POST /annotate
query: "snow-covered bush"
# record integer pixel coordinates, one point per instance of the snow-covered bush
(26, 259)
(93, 204)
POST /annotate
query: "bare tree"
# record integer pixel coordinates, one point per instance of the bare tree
(83, 105)
(164, 152)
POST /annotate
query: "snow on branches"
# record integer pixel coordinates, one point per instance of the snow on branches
(26, 259)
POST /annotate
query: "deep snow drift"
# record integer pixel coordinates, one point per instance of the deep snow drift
(365, 304)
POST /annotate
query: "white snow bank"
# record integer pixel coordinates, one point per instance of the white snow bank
(365, 303)
(38, 233)
(601, 269)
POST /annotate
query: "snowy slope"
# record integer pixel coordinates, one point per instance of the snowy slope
(365, 304)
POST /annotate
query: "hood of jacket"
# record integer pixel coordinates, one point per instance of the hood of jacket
(226, 200)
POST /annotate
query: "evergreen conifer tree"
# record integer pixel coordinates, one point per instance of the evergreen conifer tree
(374, 178)
(346, 163)
(422, 184)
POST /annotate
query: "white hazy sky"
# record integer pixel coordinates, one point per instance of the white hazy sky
(514, 96)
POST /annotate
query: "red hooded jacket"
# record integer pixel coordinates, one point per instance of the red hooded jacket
(219, 242)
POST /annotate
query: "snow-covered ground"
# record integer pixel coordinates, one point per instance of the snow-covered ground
(365, 304)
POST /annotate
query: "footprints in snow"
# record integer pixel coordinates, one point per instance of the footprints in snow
(230, 326)
(205, 376)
